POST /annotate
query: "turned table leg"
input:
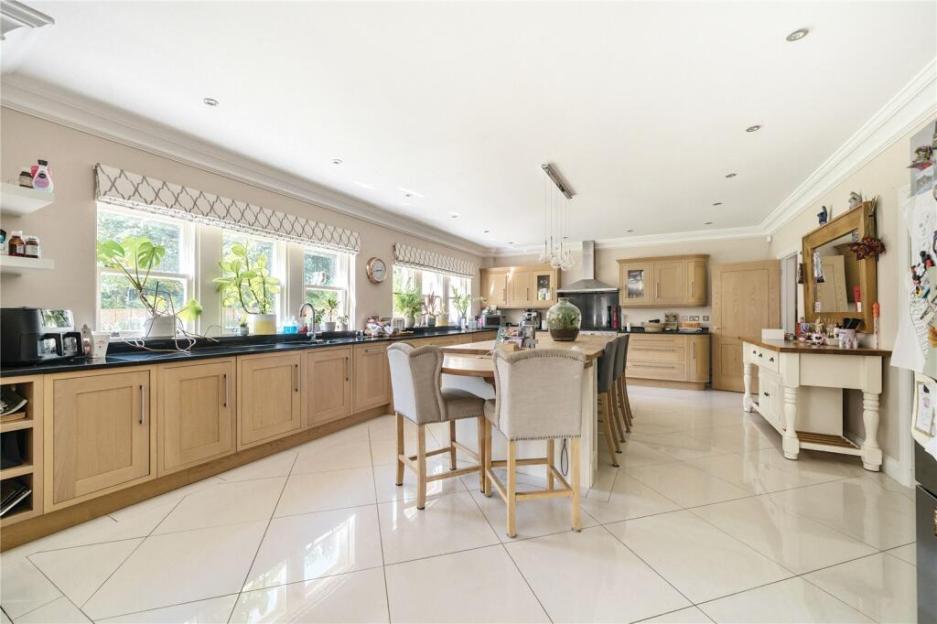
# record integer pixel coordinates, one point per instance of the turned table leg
(871, 453)
(790, 441)
(747, 380)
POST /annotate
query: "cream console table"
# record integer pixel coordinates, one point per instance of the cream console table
(800, 392)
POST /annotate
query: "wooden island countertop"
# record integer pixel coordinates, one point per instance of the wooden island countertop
(590, 346)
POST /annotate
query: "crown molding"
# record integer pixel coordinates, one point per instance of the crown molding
(93, 117)
(910, 108)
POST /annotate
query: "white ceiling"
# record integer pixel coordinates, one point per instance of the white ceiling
(642, 105)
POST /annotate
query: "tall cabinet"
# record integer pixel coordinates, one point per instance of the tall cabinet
(520, 287)
(665, 281)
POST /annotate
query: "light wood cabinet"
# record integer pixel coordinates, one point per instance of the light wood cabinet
(197, 413)
(268, 404)
(678, 359)
(101, 434)
(326, 385)
(520, 287)
(371, 377)
(668, 281)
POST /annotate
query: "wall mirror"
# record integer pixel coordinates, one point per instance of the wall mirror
(837, 285)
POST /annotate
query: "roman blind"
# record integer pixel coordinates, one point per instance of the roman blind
(417, 258)
(139, 192)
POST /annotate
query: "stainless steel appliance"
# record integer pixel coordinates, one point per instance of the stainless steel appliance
(31, 335)
(595, 299)
(491, 319)
(925, 473)
(530, 323)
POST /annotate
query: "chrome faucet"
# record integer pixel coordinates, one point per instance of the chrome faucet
(300, 314)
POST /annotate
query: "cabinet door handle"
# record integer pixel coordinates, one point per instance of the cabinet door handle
(142, 405)
(766, 394)
(226, 389)
(770, 359)
(658, 290)
(295, 377)
(761, 355)
(346, 368)
(693, 350)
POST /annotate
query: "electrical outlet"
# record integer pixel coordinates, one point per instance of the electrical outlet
(705, 318)
(693, 317)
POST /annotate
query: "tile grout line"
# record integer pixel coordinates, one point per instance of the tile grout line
(380, 532)
(260, 542)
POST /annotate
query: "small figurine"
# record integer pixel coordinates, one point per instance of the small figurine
(823, 216)
(854, 199)
(926, 260)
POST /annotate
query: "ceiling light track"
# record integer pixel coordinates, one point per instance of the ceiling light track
(556, 250)
(557, 179)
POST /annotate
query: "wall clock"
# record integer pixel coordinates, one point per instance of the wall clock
(377, 270)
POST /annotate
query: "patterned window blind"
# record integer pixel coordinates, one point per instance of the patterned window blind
(140, 192)
(417, 258)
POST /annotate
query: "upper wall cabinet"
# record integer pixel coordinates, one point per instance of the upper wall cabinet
(665, 281)
(519, 287)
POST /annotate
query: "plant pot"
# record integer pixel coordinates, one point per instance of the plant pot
(431, 321)
(409, 322)
(563, 321)
(328, 326)
(262, 324)
(160, 327)
(442, 320)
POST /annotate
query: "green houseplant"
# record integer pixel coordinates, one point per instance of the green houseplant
(136, 257)
(408, 303)
(331, 305)
(462, 303)
(563, 321)
(246, 282)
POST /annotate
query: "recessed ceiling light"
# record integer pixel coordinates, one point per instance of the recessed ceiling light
(798, 34)
(717, 203)
(337, 161)
(453, 215)
(408, 194)
(731, 175)
(708, 223)
(629, 231)
(210, 102)
(510, 242)
(754, 128)
(486, 231)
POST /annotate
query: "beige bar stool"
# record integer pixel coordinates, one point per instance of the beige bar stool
(415, 376)
(537, 397)
(605, 386)
(621, 383)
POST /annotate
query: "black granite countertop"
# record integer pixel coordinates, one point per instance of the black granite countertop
(670, 332)
(158, 351)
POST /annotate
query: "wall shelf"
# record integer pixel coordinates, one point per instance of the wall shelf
(16, 265)
(19, 200)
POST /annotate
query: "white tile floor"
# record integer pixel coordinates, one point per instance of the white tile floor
(704, 521)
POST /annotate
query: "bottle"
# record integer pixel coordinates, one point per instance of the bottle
(32, 247)
(26, 179)
(17, 244)
(41, 179)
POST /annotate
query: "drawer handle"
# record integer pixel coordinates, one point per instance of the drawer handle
(142, 405)
(346, 367)
(295, 377)
(770, 359)
(226, 389)
(652, 366)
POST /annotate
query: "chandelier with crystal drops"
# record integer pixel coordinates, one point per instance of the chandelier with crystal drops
(556, 196)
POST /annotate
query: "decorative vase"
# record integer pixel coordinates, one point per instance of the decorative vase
(329, 326)
(160, 326)
(563, 321)
(409, 322)
(262, 324)
(430, 320)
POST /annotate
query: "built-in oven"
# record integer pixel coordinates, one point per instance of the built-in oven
(925, 473)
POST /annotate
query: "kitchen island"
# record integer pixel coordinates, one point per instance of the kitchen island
(469, 366)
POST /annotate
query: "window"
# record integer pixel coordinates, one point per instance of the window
(231, 316)
(325, 282)
(432, 283)
(119, 307)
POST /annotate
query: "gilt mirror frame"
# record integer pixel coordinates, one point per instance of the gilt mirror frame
(861, 219)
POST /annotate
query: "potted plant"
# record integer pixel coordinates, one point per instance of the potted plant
(462, 303)
(246, 281)
(136, 257)
(431, 309)
(408, 303)
(343, 322)
(331, 305)
(563, 320)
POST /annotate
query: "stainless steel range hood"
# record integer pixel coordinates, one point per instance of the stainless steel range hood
(588, 283)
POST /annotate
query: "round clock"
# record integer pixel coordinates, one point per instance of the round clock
(377, 270)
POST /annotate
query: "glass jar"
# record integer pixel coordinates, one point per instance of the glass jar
(32, 247)
(563, 321)
(17, 244)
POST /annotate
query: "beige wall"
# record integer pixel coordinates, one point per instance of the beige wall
(884, 176)
(67, 228)
(606, 265)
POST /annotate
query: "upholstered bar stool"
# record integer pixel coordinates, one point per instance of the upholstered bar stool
(415, 376)
(537, 397)
(605, 387)
(621, 383)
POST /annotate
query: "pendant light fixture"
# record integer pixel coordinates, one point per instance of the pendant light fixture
(556, 197)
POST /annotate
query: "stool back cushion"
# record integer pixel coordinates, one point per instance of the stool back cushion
(606, 363)
(415, 376)
(621, 355)
(538, 394)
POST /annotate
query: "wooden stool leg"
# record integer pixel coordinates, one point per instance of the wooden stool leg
(512, 488)
(400, 449)
(452, 457)
(487, 456)
(551, 451)
(609, 436)
(421, 467)
(574, 465)
(622, 416)
(629, 415)
(482, 461)
(616, 414)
